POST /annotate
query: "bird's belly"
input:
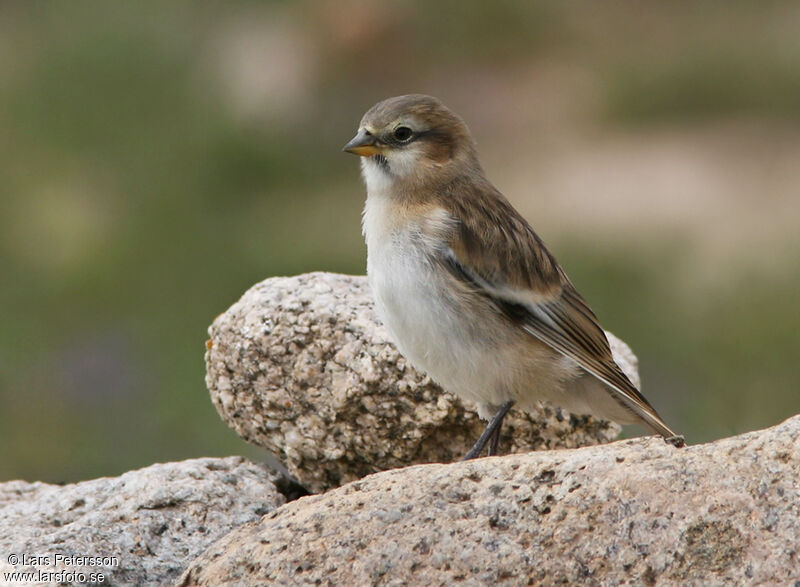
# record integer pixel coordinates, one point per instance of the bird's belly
(426, 327)
(464, 345)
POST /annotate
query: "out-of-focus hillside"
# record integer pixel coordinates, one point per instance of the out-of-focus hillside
(156, 160)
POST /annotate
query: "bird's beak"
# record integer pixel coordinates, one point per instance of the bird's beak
(363, 144)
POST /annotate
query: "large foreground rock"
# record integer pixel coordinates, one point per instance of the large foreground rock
(301, 366)
(638, 512)
(149, 523)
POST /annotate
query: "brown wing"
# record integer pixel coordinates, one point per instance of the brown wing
(506, 261)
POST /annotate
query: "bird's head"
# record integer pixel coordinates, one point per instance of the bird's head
(411, 138)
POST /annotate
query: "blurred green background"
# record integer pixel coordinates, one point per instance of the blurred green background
(157, 159)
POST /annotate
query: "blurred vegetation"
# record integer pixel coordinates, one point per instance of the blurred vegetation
(157, 159)
(704, 85)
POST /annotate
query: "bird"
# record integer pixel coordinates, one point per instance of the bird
(466, 289)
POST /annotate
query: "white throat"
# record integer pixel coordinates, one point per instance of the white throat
(378, 179)
(402, 165)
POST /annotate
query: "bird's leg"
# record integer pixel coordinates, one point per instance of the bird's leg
(494, 441)
(492, 429)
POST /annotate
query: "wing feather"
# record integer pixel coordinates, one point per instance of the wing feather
(508, 264)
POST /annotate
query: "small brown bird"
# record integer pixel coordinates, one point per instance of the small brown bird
(466, 288)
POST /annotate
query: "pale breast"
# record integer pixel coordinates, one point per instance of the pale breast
(438, 329)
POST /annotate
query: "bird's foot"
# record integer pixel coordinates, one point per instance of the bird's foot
(678, 441)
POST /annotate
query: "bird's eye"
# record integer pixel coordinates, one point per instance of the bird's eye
(402, 133)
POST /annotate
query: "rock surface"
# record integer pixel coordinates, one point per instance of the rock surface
(153, 521)
(636, 512)
(301, 366)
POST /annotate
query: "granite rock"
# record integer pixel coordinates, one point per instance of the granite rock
(147, 525)
(302, 367)
(635, 512)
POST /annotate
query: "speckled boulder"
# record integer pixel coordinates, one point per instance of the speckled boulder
(637, 512)
(302, 367)
(141, 528)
